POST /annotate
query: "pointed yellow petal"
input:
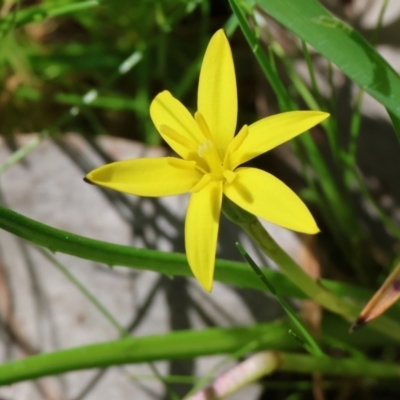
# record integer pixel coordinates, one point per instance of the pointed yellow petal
(201, 232)
(166, 111)
(269, 198)
(217, 97)
(272, 131)
(151, 177)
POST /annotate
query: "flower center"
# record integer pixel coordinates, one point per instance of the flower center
(208, 153)
(214, 169)
(208, 161)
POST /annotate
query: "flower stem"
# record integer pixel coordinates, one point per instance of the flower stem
(311, 288)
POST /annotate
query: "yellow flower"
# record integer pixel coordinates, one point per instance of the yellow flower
(210, 158)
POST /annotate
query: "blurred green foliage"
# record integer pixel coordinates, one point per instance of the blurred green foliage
(55, 52)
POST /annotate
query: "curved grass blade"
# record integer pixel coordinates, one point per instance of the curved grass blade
(167, 263)
(111, 254)
(173, 346)
(342, 45)
(309, 342)
(188, 345)
(236, 273)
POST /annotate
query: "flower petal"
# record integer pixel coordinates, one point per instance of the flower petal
(153, 177)
(269, 198)
(217, 97)
(272, 131)
(167, 111)
(201, 232)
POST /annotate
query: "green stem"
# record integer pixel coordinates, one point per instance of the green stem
(173, 346)
(171, 264)
(310, 343)
(343, 366)
(313, 290)
(332, 135)
(285, 104)
(111, 254)
(355, 123)
(22, 152)
(395, 122)
(311, 72)
(324, 206)
(185, 345)
(344, 216)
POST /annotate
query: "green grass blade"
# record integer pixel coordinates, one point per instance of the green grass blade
(187, 345)
(310, 344)
(334, 366)
(173, 346)
(22, 152)
(113, 254)
(396, 123)
(344, 216)
(170, 264)
(355, 123)
(231, 272)
(285, 103)
(342, 45)
(36, 14)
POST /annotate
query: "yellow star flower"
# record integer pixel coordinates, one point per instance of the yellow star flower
(210, 158)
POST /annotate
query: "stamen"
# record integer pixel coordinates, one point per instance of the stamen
(202, 123)
(176, 137)
(230, 159)
(202, 183)
(239, 138)
(208, 153)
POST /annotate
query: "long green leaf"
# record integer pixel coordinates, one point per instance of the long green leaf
(170, 264)
(173, 346)
(166, 263)
(343, 215)
(113, 254)
(342, 45)
(230, 272)
(176, 345)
